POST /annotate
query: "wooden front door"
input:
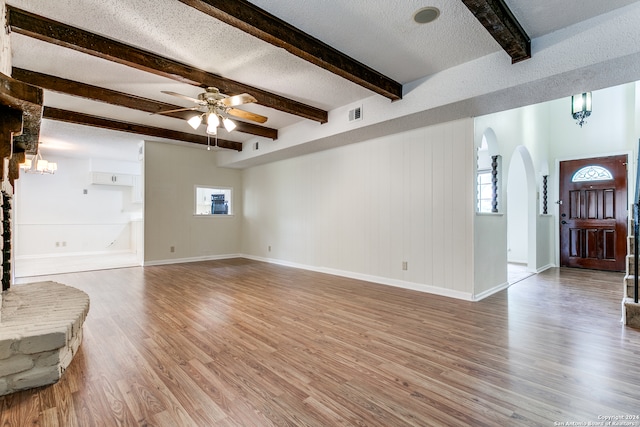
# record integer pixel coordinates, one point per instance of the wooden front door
(593, 213)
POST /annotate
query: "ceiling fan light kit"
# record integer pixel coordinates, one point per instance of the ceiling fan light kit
(213, 108)
(229, 125)
(195, 121)
(212, 123)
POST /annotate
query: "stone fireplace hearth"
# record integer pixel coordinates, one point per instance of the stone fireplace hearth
(40, 332)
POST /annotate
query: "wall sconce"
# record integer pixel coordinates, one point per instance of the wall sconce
(581, 107)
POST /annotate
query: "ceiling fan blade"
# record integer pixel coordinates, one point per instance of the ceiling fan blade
(247, 115)
(179, 95)
(243, 98)
(176, 110)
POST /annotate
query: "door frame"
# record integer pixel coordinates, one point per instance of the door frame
(631, 171)
(531, 210)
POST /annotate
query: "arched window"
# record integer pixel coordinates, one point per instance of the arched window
(591, 173)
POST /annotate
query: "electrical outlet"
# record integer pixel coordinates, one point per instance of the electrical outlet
(405, 265)
(64, 244)
(57, 244)
(269, 248)
(172, 249)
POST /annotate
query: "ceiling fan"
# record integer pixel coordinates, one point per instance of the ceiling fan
(214, 108)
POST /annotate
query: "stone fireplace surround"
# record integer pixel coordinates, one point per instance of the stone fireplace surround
(40, 332)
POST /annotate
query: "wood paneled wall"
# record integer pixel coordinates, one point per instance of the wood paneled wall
(363, 209)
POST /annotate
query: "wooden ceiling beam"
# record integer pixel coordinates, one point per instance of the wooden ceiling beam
(50, 31)
(267, 27)
(497, 18)
(29, 100)
(100, 122)
(95, 93)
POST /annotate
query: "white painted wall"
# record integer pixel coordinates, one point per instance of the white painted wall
(517, 213)
(115, 166)
(53, 216)
(362, 209)
(546, 248)
(489, 254)
(5, 47)
(609, 129)
(171, 174)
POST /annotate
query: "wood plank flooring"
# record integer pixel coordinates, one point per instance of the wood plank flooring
(244, 343)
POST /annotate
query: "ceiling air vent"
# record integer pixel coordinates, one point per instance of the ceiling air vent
(355, 114)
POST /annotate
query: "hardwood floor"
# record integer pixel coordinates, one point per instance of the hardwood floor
(244, 343)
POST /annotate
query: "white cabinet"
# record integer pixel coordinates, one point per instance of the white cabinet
(106, 178)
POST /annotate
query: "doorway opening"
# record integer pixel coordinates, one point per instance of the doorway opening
(521, 216)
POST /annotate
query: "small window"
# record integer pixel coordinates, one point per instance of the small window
(592, 173)
(485, 191)
(213, 201)
(487, 176)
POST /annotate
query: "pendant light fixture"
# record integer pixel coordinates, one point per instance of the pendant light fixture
(581, 107)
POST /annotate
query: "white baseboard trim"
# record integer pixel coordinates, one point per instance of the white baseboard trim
(71, 262)
(421, 287)
(489, 292)
(369, 278)
(191, 259)
(545, 268)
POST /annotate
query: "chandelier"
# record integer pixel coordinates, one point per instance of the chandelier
(36, 164)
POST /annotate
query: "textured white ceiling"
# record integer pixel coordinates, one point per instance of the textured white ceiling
(380, 34)
(546, 16)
